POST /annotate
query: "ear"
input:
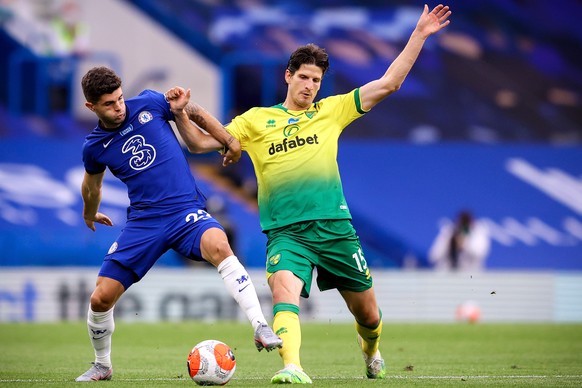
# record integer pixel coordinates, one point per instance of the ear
(90, 106)
(288, 75)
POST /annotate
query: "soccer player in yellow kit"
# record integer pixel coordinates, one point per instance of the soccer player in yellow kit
(293, 147)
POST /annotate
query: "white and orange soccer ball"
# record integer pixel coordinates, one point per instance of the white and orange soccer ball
(211, 362)
(468, 312)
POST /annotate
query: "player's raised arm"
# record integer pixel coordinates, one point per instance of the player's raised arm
(428, 23)
(198, 142)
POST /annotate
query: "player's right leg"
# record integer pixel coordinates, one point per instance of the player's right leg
(291, 374)
(101, 325)
(290, 273)
(143, 238)
(286, 288)
(96, 372)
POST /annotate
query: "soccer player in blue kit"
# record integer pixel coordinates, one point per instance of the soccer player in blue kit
(167, 210)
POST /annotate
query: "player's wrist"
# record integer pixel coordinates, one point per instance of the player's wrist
(178, 111)
(226, 146)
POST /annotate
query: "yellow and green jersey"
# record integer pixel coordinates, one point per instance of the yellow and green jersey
(294, 154)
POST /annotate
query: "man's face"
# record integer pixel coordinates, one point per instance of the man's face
(303, 86)
(110, 109)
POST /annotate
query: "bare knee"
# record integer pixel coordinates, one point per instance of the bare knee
(101, 302)
(214, 246)
(222, 249)
(369, 318)
(285, 287)
(106, 294)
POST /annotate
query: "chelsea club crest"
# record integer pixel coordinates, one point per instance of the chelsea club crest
(144, 117)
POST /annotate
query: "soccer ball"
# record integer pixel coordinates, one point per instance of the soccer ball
(468, 312)
(211, 362)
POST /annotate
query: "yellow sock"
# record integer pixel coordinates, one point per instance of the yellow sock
(286, 325)
(370, 338)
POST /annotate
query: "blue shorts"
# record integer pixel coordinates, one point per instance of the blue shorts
(148, 235)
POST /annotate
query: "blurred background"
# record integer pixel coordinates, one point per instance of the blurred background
(465, 186)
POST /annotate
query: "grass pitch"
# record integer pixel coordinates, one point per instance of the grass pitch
(422, 355)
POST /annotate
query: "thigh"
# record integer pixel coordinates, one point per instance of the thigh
(187, 234)
(287, 252)
(138, 247)
(342, 264)
(113, 271)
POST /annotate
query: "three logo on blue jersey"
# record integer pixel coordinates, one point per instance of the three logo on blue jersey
(143, 153)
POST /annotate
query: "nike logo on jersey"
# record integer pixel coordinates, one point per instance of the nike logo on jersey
(242, 289)
(105, 145)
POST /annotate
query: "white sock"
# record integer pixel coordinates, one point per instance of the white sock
(239, 284)
(101, 327)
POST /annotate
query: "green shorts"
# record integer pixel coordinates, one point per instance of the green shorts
(331, 246)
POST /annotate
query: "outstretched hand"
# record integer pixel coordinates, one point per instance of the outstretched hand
(433, 21)
(178, 97)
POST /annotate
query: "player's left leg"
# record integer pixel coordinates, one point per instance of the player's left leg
(338, 269)
(368, 317)
(215, 248)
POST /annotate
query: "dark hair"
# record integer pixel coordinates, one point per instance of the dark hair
(464, 221)
(99, 81)
(465, 217)
(310, 54)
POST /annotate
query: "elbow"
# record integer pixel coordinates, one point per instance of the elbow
(201, 148)
(191, 144)
(191, 148)
(197, 151)
(391, 83)
(387, 90)
(393, 88)
(194, 149)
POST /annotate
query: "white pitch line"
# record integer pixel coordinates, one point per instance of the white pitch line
(393, 377)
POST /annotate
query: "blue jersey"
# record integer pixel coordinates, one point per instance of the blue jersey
(145, 154)
(167, 211)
